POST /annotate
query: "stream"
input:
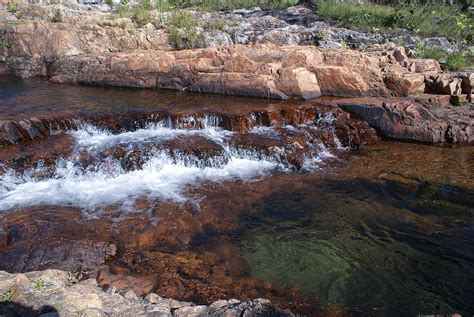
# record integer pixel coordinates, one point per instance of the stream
(204, 197)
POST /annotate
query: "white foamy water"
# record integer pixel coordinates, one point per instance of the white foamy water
(160, 176)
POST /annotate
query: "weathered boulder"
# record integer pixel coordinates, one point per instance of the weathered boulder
(14, 132)
(405, 84)
(340, 81)
(433, 100)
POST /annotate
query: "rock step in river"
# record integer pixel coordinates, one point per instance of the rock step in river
(60, 160)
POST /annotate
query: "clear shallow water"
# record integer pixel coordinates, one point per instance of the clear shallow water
(383, 246)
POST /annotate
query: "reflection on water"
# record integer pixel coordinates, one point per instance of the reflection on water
(388, 246)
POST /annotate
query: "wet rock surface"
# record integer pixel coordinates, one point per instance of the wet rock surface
(56, 292)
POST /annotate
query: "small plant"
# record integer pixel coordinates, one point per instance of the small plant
(145, 4)
(214, 24)
(5, 44)
(162, 6)
(12, 7)
(184, 31)
(429, 52)
(457, 61)
(142, 17)
(6, 295)
(40, 284)
(57, 16)
(75, 277)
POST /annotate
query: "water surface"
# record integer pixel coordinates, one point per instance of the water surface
(387, 230)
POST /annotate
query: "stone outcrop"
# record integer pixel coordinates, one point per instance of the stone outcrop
(55, 292)
(36, 46)
(409, 120)
(261, 70)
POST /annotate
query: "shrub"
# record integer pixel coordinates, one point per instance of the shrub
(426, 20)
(142, 16)
(57, 16)
(429, 52)
(214, 24)
(12, 7)
(457, 61)
(184, 31)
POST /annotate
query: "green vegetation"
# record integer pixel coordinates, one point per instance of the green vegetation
(457, 61)
(184, 32)
(145, 4)
(6, 295)
(452, 61)
(12, 7)
(40, 284)
(425, 20)
(57, 16)
(214, 24)
(429, 52)
(141, 16)
(219, 5)
(75, 277)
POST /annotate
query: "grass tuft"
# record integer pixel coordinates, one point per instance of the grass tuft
(57, 16)
(6, 295)
(40, 284)
(184, 31)
(12, 7)
(456, 61)
(214, 24)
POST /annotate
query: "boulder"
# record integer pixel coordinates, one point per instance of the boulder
(405, 84)
(422, 65)
(299, 82)
(340, 81)
(446, 84)
(433, 100)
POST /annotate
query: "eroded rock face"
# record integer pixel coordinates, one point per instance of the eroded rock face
(35, 47)
(54, 291)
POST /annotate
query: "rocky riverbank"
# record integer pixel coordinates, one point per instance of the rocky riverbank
(354, 83)
(275, 58)
(59, 293)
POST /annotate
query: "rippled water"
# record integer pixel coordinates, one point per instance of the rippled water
(372, 246)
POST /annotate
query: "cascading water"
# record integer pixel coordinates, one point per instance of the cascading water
(161, 160)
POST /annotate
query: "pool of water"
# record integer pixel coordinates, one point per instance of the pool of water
(386, 230)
